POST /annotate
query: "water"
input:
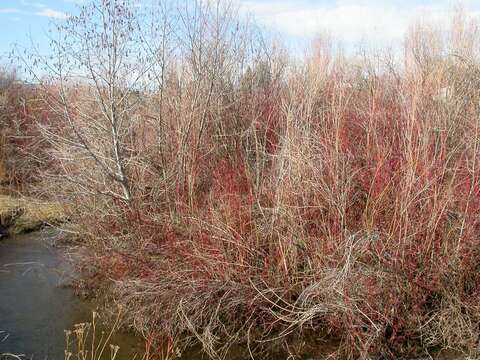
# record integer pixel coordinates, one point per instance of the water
(35, 308)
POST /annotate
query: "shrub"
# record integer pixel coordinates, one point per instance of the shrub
(228, 195)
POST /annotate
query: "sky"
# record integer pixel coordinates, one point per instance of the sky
(374, 22)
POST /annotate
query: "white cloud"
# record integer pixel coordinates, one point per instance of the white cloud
(379, 22)
(8, 10)
(52, 14)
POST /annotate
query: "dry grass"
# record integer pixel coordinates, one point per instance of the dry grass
(86, 342)
(25, 214)
(249, 198)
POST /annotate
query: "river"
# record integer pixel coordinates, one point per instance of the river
(35, 307)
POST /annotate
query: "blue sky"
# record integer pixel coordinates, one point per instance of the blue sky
(23, 21)
(377, 22)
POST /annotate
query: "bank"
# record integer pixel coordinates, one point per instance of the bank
(19, 215)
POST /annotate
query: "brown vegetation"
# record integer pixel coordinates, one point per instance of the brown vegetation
(22, 214)
(228, 194)
(22, 148)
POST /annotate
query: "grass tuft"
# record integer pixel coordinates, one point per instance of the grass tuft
(24, 214)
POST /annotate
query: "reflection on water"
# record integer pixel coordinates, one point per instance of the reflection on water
(34, 309)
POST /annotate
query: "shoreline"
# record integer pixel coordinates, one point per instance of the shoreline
(20, 215)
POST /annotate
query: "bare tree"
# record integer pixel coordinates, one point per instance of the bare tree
(95, 83)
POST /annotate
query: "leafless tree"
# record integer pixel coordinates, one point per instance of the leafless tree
(95, 85)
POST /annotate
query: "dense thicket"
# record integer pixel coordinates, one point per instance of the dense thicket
(22, 147)
(228, 193)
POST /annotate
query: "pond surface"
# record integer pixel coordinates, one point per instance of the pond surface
(35, 308)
